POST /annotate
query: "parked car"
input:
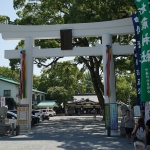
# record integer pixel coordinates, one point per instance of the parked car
(38, 113)
(12, 117)
(49, 112)
(52, 112)
(34, 119)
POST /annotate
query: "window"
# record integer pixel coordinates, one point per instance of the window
(33, 97)
(38, 97)
(7, 93)
(42, 98)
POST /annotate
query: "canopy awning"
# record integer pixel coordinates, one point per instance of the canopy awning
(47, 103)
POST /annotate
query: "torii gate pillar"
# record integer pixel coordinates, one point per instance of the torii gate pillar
(29, 43)
(107, 40)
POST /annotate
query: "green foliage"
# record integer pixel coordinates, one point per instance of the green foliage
(59, 93)
(126, 88)
(48, 12)
(19, 4)
(88, 83)
(4, 19)
(36, 81)
(8, 73)
(63, 74)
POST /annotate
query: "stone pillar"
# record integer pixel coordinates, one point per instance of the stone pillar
(107, 40)
(29, 43)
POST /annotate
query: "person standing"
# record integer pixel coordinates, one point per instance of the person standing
(148, 134)
(129, 124)
(141, 127)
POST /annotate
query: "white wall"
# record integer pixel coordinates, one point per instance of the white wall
(8, 86)
(14, 90)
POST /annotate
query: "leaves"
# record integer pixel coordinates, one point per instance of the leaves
(77, 11)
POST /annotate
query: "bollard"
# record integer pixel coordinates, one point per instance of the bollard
(108, 131)
(12, 129)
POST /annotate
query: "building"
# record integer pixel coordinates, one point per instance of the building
(10, 89)
(83, 104)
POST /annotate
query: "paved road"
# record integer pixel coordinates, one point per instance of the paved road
(66, 133)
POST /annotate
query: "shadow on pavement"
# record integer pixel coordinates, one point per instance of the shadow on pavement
(72, 133)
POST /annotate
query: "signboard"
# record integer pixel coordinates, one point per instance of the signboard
(113, 116)
(137, 111)
(107, 116)
(2, 101)
(144, 24)
(137, 60)
(23, 116)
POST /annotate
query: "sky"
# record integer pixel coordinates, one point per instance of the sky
(6, 8)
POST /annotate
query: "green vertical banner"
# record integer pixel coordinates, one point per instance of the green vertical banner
(144, 21)
(107, 116)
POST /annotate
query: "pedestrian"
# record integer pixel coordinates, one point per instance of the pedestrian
(94, 113)
(139, 134)
(129, 124)
(148, 134)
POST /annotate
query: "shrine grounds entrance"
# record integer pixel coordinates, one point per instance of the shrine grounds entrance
(30, 33)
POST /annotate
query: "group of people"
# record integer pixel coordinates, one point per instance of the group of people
(133, 131)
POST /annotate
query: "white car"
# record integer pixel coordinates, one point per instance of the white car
(48, 112)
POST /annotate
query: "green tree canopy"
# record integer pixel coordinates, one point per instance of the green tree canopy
(60, 94)
(63, 74)
(77, 11)
(8, 73)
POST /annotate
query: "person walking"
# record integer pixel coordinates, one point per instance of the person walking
(148, 134)
(139, 134)
(129, 124)
(94, 111)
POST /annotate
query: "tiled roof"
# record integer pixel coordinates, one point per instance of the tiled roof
(84, 98)
(17, 83)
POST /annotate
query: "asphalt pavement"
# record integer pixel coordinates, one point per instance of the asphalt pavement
(66, 133)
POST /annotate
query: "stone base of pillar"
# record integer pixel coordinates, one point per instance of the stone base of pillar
(112, 133)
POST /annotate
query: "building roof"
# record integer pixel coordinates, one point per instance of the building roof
(86, 98)
(17, 83)
(80, 98)
(47, 103)
(9, 80)
(33, 90)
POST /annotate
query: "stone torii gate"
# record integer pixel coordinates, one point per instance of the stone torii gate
(30, 33)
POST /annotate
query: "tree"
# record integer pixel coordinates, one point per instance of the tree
(125, 89)
(59, 93)
(63, 74)
(36, 81)
(8, 73)
(77, 11)
(88, 83)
